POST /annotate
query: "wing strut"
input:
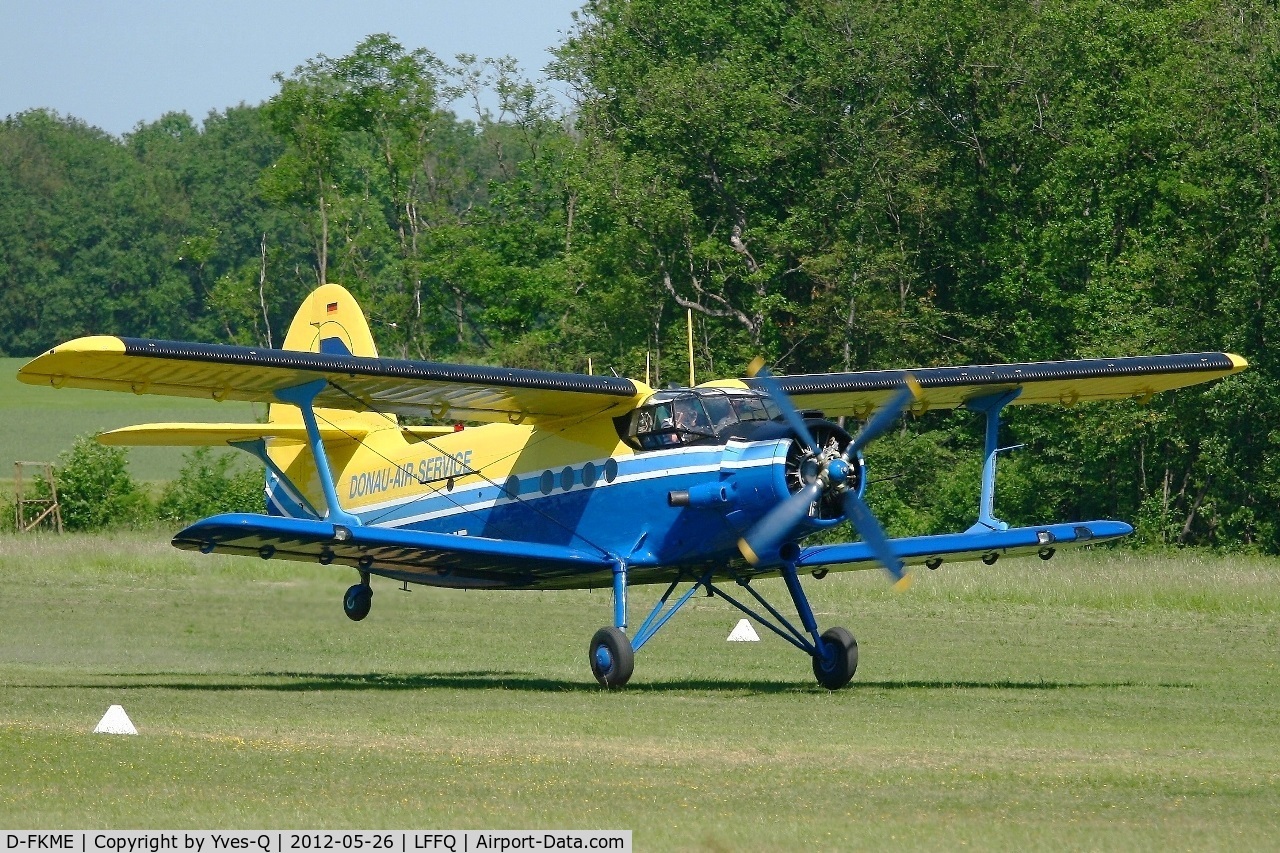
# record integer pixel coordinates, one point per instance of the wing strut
(257, 448)
(991, 406)
(303, 396)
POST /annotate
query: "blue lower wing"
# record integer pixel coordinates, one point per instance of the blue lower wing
(456, 560)
(970, 545)
(440, 559)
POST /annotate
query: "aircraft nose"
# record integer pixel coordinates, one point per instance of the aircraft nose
(838, 472)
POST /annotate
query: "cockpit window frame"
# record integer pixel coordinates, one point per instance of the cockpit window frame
(681, 417)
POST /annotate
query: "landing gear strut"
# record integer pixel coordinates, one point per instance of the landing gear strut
(357, 601)
(834, 653)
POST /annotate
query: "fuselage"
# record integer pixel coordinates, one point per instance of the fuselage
(657, 495)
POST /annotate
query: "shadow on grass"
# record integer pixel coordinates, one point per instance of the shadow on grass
(300, 682)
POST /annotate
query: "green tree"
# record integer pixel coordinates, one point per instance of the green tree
(87, 244)
(846, 185)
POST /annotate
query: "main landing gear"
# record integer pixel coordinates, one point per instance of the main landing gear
(612, 658)
(357, 601)
(834, 652)
(839, 659)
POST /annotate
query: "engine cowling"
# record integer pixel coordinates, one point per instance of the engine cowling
(804, 466)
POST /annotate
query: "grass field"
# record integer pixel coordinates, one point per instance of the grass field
(1099, 701)
(36, 424)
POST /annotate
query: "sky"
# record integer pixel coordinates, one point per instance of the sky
(115, 63)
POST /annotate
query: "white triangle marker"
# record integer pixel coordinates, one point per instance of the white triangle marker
(115, 722)
(743, 633)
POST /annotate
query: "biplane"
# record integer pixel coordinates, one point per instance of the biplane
(541, 480)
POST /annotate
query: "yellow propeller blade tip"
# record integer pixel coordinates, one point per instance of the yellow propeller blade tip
(904, 583)
(755, 366)
(747, 552)
(914, 384)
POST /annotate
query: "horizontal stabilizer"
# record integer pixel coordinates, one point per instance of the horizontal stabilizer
(216, 435)
(438, 559)
(971, 545)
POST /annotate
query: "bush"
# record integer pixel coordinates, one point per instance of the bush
(210, 484)
(7, 514)
(95, 489)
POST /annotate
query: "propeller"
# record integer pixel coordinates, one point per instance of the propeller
(794, 420)
(884, 417)
(768, 532)
(834, 473)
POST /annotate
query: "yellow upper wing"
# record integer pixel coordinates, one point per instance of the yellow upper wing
(475, 393)
(354, 383)
(1061, 382)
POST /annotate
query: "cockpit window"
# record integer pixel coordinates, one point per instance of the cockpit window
(721, 412)
(750, 409)
(670, 423)
(690, 417)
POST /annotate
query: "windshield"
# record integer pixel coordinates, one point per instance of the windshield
(754, 408)
(675, 418)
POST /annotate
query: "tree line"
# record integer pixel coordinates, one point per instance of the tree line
(835, 184)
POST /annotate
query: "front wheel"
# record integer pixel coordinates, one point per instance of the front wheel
(837, 660)
(612, 659)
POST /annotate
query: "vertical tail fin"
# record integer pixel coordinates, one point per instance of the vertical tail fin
(329, 321)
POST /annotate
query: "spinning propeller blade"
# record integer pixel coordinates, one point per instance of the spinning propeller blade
(765, 537)
(767, 533)
(868, 527)
(759, 371)
(884, 417)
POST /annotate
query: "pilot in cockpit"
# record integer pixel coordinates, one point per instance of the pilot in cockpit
(689, 416)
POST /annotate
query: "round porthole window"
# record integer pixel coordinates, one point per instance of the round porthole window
(610, 470)
(589, 474)
(547, 483)
(566, 479)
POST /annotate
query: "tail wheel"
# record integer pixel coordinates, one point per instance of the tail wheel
(612, 659)
(357, 601)
(837, 660)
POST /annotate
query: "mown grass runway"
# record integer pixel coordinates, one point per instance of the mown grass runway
(1099, 701)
